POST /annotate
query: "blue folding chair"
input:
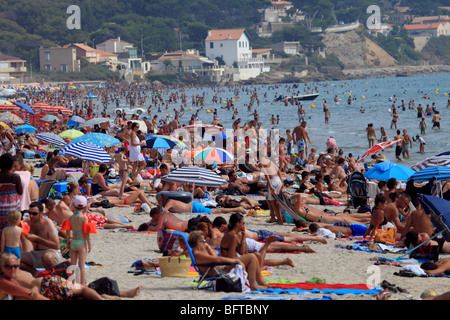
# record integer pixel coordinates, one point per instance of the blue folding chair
(210, 266)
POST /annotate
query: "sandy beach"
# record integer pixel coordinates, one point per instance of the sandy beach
(114, 251)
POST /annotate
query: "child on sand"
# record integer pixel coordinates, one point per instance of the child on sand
(10, 241)
(77, 235)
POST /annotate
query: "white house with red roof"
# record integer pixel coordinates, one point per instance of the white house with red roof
(234, 48)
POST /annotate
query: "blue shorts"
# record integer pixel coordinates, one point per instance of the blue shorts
(199, 208)
(263, 234)
(13, 250)
(300, 145)
(357, 229)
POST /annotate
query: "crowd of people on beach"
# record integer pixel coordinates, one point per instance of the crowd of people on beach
(281, 173)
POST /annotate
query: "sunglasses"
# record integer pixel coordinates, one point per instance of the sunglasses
(10, 266)
(33, 213)
(203, 240)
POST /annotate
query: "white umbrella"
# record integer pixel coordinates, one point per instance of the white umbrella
(92, 122)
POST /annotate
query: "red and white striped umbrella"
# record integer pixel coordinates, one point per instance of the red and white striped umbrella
(378, 147)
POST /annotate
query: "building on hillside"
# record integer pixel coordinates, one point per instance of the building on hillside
(430, 19)
(59, 59)
(435, 29)
(287, 47)
(12, 69)
(84, 51)
(114, 45)
(275, 18)
(233, 47)
(189, 61)
(400, 15)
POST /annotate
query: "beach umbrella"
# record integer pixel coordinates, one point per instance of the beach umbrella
(71, 134)
(439, 160)
(72, 124)
(25, 107)
(10, 117)
(99, 139)
(4, 125)
(50, 118)
(94, 121)
(163, 142)
(386, 170)
(78, 119)
(25, 128)
(51, 138)
(7, 92)
(439, 211)
(440, 173)
(217, 155)
(378, 147)
(87, 151)
(196, 176)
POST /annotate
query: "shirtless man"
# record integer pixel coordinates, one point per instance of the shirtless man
(300, 135)
(436, 120)
(392, 211)
(398, 145)
(419, 221)
(406, 144)
(163, 185)
(176, 206)
(41, 238)
(436, 268)
(229, 202)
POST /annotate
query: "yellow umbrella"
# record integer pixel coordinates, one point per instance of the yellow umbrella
(71, 134)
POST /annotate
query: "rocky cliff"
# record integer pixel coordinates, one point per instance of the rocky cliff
(356, 51)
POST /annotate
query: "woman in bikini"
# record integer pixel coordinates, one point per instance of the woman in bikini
(233, 245)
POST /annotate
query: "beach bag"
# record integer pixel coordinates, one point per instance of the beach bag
(105, 285)
(386, 236)
(228, 283)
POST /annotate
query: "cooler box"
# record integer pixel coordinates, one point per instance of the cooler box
(60, 186)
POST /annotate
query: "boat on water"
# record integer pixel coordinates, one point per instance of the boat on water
(308, 97)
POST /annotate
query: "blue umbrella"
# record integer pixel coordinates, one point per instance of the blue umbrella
(386, 170)
(426, 174)
(162, 142)
(87, 151)
(72, 124)
(25, 107)
(439, 211)
(25, 128)
(98, 139)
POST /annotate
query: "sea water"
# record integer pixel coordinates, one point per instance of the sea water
(347, 125)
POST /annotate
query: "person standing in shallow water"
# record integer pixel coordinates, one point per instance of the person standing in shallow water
(371, 135)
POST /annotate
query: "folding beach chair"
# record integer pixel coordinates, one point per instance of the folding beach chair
(210, 266)
(44, 189)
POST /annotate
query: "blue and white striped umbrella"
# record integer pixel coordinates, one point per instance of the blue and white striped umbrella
(439, 160)
(439, 172)
(195, 175)
(87, 151)
(51, 138)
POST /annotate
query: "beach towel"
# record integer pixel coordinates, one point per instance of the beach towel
(287, 287)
